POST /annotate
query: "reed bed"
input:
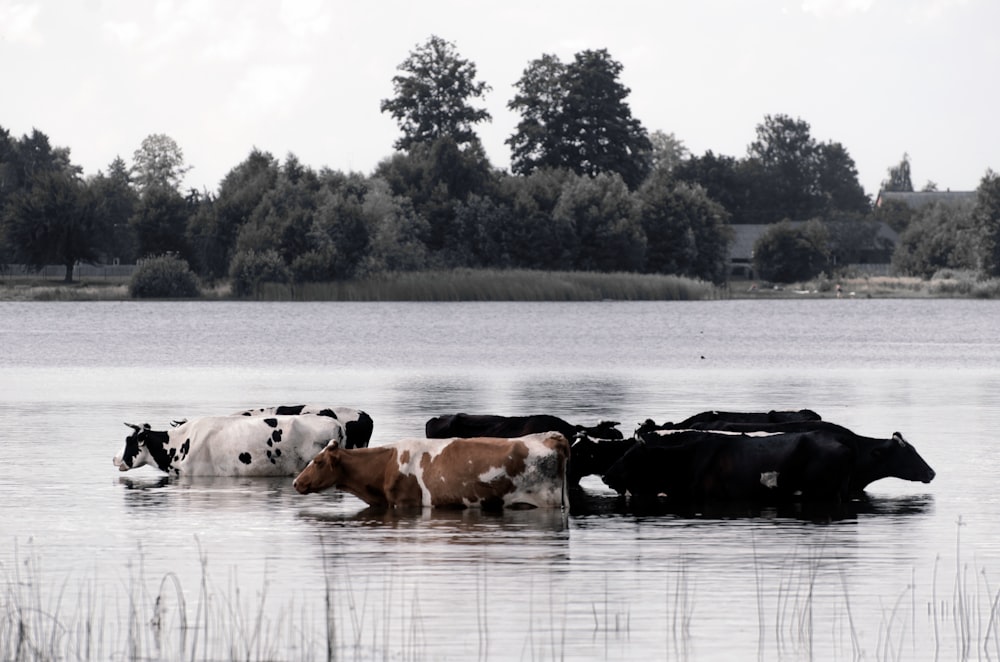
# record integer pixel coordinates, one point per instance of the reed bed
(499, 285)
(805, 610)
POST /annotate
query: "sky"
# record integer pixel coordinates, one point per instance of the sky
(306, 77)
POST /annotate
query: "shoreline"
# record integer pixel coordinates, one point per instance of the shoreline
(525, 285)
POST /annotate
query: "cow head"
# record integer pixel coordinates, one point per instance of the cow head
(903, 461)
(135, 453)
(322, 473)
(603, 430)
(594, 456)
(143, 446)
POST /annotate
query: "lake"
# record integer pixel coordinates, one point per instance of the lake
(97, 564)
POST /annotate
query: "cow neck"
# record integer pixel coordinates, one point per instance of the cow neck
(363, 472)
(156, 444)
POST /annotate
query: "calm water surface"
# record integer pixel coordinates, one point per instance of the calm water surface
(265, 573)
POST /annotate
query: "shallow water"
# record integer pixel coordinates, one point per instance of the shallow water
(910, 575)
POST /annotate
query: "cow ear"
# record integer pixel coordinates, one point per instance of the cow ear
(897, 438)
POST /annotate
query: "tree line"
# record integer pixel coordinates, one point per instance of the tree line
(589, 188)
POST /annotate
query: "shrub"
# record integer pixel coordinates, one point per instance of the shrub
(249, 269)
(164, 277)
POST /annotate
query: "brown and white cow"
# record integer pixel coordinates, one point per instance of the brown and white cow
(480, 472)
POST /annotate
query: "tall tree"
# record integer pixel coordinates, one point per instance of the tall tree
(432, 96)
(687, 232)
(116, 200)
(786, 153)
(987, 220)
(159, 162)
(899, 177)
(53, 221)
(667, 151)
(575, 116)
(159, 221)
(213, 230)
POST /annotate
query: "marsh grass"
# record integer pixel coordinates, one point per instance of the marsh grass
(499, 285)
(805, 610)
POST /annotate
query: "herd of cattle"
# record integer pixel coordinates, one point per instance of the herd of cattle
(493, 461)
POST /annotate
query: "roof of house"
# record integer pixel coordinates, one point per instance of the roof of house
(921, 199)
(745, 236)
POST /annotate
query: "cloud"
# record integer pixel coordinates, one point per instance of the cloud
(270, 90)
(17, 23)
(826, 8)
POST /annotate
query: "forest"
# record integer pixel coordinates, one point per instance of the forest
(589, 189)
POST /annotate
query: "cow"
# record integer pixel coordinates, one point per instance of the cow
(492, 425)
(707, 419)
(694, 466)
(874, 458)
(482, 472)
(589, 456)
(357, 424)
(231, 445)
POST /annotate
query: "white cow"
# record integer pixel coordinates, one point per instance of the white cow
(357, 423)
(231, 445)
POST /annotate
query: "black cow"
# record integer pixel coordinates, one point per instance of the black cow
(491, 425)
(697, 466)
(706, 419)
(874, 458)
(589, 456)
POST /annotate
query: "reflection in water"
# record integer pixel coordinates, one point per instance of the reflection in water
(574, 398)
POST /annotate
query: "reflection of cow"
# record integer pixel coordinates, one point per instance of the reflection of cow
(492, 425)
(708, 420)
(357, 424)
(231, 445)
(695, 466)
(491, 473)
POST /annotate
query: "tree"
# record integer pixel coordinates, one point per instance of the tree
(432, 96)
(837, 182)
(608, 235)
(987, 219)
(116, 202)
(686, 231)
(159, 162)
(938, 237)
(724, 180)
(787, 254)
(159, 222)
(667, 151)
(786, 154)
(53, 221)
(899, 177)
(213, 230)
(436, 177)
(575, 116)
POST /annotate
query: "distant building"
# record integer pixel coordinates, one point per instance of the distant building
(874, 259)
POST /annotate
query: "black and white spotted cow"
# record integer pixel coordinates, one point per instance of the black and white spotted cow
(277, 445)
(357, 423)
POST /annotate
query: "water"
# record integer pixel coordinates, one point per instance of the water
(911, 575)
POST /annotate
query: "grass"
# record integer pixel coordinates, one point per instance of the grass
(800, 614)
(530, 285)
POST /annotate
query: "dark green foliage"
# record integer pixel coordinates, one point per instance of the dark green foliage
(213, 229)
(53, 221)
(432, 96)
(160, 220)
(608, 236)
(786, 253)
(575, 116)
(686, 231)
(987, 221)
(938, 237)
(163, 277)
(250, 269)
(899, 177)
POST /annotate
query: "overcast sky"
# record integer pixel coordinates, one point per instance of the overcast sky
(881, 77)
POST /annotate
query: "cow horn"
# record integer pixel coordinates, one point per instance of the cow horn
(133, 426)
